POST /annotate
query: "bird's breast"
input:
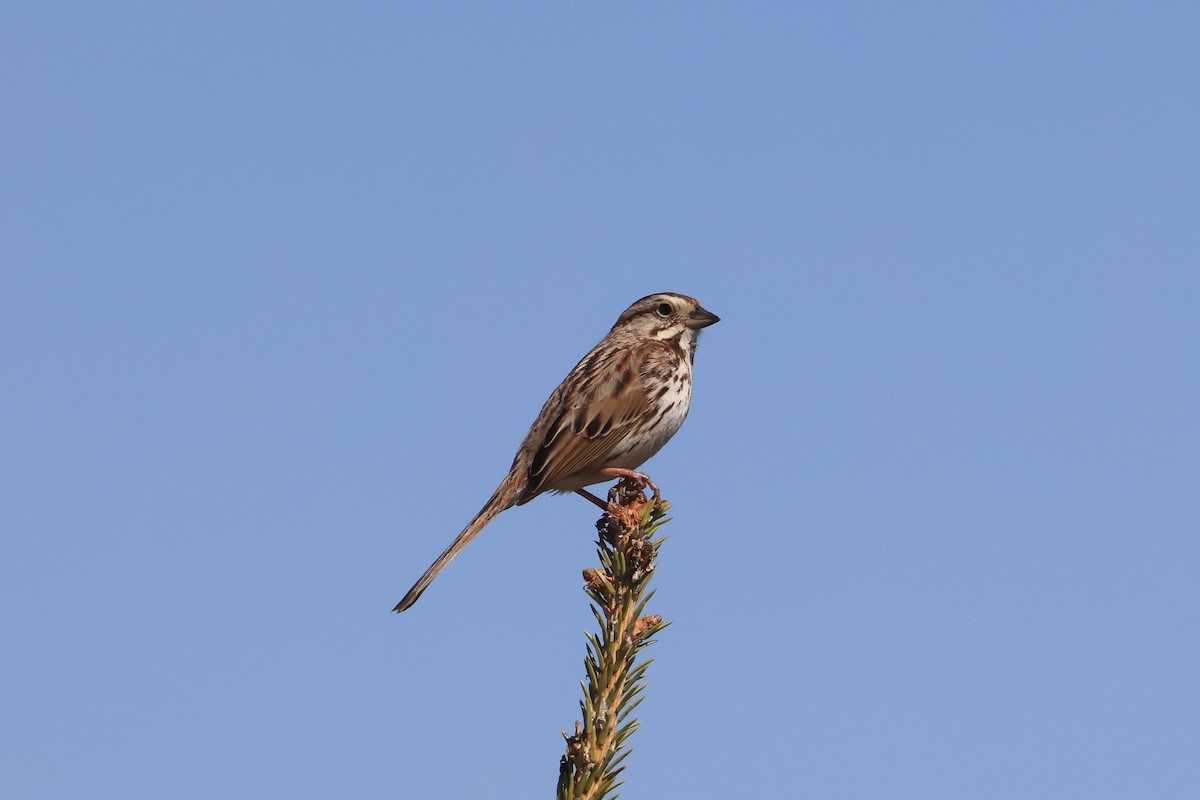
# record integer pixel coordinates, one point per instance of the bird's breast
(662, 420)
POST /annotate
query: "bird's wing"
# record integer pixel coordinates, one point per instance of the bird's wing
(590, 421)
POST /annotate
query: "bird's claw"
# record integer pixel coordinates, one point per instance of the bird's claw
(633, 485)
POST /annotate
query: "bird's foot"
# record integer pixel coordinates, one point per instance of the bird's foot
(632, 482)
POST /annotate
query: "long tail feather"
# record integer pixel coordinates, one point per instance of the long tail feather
(494, 506)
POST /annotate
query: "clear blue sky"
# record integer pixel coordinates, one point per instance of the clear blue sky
(284, 284)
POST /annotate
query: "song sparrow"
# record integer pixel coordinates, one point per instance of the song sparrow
(618, 407)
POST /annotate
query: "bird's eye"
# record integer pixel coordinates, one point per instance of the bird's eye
(664, 310)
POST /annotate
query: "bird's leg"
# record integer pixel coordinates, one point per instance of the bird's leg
(589, 496)
(637, 477)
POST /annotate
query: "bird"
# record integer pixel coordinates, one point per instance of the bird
(621, 403)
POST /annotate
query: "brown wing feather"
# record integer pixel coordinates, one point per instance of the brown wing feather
(584, 439)
(580, 437)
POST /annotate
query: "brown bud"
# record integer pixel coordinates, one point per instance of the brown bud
(641, 553)
(595, 581)
(644, 625)
(577, 749)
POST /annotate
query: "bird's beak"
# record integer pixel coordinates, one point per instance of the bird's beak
(701, 318)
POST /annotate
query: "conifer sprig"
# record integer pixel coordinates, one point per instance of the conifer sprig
(615, 679)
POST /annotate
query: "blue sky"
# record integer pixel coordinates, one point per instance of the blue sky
(284, 285)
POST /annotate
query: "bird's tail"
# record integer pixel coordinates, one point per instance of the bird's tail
(498, 502)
